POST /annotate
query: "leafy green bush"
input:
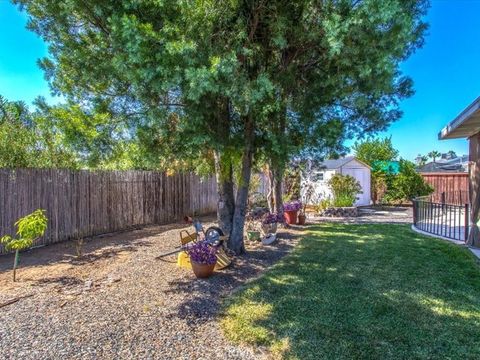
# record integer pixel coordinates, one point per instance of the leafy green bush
(29, 229)
(406, 185)
(345, 189)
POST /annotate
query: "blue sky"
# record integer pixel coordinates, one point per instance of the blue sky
(445, 73)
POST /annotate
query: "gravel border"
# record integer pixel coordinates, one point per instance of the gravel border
(119, 302)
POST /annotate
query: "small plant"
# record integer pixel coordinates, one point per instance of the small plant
(345, 189)
(323, 205)
(272, 218)
(292, 206)
(202, 253)
(79, 247)
(29, 229)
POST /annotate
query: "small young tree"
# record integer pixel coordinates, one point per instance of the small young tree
(29, 229)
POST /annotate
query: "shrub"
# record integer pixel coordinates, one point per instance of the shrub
(406, 185)
(322, 205)
(29, 229)
(345, 189)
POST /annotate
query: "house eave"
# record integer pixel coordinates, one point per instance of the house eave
(466, 124)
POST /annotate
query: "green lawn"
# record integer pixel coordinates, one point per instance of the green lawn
(363, 292)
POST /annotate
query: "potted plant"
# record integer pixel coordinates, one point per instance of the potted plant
(302, 216)
(203, 258)
(291, 211)
(269, 223)
(253, 223)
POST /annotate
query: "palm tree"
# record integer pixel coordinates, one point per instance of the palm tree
(434, 154)
(421, 159)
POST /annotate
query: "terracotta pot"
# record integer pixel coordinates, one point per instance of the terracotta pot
(202, 270)
(291, 217)
(301, 219)
(269, 228)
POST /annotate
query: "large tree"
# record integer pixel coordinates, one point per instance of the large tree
(233, 80)
(28, 139)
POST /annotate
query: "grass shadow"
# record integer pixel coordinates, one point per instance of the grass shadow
(363, 291)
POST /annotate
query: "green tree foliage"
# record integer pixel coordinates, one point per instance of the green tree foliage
(434, 154)
(345, 189)
(377, 153)
(29, 229)
(375, 150)
(421, 159)
(29, 140)
(406, 185)
(234, 81)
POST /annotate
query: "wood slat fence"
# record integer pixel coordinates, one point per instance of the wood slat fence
(450, 188)
(86, 203)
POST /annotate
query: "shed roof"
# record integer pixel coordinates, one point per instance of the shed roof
(337, 163)
(466, 124)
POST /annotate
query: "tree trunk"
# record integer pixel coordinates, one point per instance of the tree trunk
(236, 237)
(226, 199)
(223, 165)
(270, 197)
(278, 190)
(15, 264)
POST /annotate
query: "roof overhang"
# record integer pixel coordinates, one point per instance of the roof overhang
(464, 125)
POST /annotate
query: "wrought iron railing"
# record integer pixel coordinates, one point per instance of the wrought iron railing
(441, 218)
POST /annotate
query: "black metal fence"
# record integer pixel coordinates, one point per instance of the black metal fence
(441, 218)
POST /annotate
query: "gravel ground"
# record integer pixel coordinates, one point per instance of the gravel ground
(118, 301)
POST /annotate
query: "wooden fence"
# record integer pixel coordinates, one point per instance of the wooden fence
(451, 188)
(87, 203)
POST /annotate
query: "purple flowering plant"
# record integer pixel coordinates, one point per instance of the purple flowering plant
(272, 218)
(202, 253)
(292, 206)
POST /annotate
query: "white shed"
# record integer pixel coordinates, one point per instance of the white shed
(349, 165)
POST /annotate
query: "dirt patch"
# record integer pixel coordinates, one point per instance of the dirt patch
(119, 301)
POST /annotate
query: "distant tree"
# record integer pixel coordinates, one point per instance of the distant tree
(376, 153)
(406, 185)
(372, 151)
(28, 139)
(434, 154)
(421, 160)
(452, 154)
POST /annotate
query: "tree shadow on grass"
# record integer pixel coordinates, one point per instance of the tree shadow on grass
(375, 291)
(208, 294)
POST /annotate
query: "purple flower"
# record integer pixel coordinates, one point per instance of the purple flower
(201, 252)
(269, 219)
(292, 206)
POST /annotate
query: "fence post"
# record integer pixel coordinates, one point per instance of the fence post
(466, 221)
(414, 204)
